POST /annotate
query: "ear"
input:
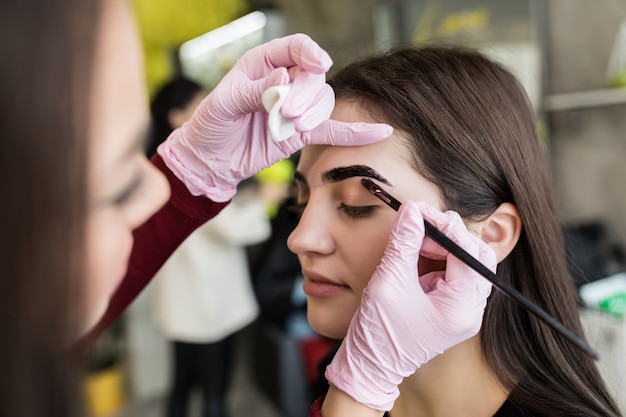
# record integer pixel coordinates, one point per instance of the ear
(501, 230)
(176, 117)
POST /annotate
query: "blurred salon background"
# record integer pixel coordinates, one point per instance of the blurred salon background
(569, 54)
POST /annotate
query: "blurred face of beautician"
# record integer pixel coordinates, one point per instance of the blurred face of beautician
(343, 231)
(124, 188)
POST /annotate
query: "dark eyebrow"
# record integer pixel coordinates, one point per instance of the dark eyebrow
(299, 177)
(342, 173)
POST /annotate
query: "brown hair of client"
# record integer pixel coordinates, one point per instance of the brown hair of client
(471, 131)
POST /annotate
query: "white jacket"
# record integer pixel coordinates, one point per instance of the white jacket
(203, 293)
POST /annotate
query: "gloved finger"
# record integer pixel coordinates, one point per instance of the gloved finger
(477, 248)
(408, 230)
(306, 88)
(395, 282)
(461, 281)
(442, 221)
(246, 96)
(318, 110)
(460, 295)
(452, 225)
(461, 309)
(429, 280)
(334, 133)
(402, 251)
(300, 50)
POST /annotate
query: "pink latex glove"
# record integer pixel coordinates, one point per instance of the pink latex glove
(227, 138)
(404, 321)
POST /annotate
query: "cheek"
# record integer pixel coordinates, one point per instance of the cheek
(360, 253)
(108, 247)
(365, 249)
(365, 262)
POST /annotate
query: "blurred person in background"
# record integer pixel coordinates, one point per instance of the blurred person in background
(203, 297)
(203, 293)
(172, 105)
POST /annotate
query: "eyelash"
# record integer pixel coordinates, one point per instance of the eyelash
(357, 212)
(354, 212)
(129, 192)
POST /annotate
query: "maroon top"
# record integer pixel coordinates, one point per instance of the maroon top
(316, 408)
(155, 241)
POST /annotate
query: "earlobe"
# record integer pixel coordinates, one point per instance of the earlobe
(502, 230)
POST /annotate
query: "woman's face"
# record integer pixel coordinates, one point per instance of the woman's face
(125, 189)
(344, 229)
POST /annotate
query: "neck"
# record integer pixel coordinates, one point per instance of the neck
(456, 383)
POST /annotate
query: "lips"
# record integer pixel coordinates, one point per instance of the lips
(316, 285)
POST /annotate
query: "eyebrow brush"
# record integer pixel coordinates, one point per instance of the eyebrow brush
(446, 243)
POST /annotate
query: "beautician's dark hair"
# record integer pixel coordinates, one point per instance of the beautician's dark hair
(46, 48)
(472, 132)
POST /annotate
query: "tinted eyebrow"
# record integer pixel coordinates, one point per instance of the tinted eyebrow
(342, 173)
(299, 177)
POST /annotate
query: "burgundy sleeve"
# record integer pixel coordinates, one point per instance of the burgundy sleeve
(316, 408)
(155, 241)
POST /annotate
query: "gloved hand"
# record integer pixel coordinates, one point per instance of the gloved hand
(404, 321)
(227, 138)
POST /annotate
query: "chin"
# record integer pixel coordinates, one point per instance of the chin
(93, 316)
(328, 327)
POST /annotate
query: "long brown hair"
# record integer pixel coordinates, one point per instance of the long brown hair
(471, 131)
(46, 50)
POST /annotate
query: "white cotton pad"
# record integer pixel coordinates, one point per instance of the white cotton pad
(280, 127)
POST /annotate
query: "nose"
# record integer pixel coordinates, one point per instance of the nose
(312, 235)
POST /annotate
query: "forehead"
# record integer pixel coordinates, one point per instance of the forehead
(389, 157)
(386, 157)
(119, 99)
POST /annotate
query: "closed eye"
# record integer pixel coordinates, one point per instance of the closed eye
(126, 194)
(354, 212)
(357, 212)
